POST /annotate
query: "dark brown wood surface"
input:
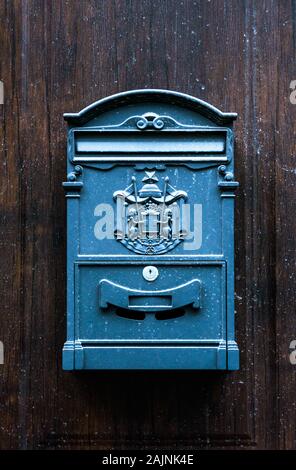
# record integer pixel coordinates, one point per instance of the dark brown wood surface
(60, 55)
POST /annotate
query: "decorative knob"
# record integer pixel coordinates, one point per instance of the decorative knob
(142, 124)
(158, 123)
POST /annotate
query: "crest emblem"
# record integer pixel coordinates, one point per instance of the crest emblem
(148, 217)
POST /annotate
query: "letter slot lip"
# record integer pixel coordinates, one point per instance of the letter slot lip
(112, 294)
(127, 142)
(196, 144)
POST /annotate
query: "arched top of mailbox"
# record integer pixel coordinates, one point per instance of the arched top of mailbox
(146, 95)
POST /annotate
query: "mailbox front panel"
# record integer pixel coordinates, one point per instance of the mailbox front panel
(150, 191)
(185, 302)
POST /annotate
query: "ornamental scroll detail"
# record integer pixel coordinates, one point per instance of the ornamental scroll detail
(149, 215)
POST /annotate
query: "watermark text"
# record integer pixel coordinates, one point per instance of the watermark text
(292, 356)
(293, 92)
(1, 353)
(1, 92)
(167, 224)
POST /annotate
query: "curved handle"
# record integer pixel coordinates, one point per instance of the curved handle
(145, 301)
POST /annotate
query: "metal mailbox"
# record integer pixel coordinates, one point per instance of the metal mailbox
(150, 245)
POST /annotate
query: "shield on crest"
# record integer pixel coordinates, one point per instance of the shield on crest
(148, 218)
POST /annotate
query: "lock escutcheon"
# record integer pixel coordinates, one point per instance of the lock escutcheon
(150, 273)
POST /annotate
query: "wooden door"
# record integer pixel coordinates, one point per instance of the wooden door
(59, 56)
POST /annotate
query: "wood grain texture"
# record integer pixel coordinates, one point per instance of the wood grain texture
(60, 55)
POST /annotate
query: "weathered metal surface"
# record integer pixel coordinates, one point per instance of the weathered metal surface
(150, 178)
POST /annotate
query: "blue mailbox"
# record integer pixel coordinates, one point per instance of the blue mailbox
(150, 234)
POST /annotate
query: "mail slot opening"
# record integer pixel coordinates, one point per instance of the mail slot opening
(130, 314)
(139, 316)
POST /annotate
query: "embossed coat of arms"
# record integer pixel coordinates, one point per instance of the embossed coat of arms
(149, 216)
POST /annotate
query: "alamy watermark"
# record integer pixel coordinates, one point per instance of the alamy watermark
(1, 353)
(293, 92)
(1, 92)
(292, 356)
(150, 228)
(150, 216)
